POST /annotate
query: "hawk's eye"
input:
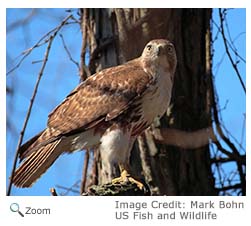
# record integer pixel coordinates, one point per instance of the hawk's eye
(169, 48)
(149, 47)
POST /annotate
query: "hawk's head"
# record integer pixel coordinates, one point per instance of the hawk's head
(160, 52)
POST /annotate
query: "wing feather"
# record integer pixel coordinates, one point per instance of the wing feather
(102, 97)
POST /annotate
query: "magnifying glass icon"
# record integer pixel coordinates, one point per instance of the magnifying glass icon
(14, 207)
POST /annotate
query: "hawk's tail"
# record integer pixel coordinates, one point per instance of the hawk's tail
(36, 164)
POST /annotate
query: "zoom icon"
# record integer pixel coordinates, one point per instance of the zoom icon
(14, 207)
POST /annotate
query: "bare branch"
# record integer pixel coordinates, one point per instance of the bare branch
(231, 44)
(29, 111)
(68, 52)
(228, 159)
(227, 50)
(22, 21)
(85, 170)
(234, 154)
(94, 171)
(40, 42)
(67, 190)
(225, 188)
(231, 155)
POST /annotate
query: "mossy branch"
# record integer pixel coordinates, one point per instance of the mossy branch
(117, 189)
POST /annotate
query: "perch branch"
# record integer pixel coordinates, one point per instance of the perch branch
(117, 189)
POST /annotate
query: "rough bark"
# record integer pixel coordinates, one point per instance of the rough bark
(114, 36)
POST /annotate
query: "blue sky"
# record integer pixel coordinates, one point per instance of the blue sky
(228, 85)
(61, 76)
(232, 98)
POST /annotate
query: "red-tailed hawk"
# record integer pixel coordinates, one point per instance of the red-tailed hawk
(109, 109)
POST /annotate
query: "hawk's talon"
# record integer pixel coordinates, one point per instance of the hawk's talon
(138, 183)
(125, 177)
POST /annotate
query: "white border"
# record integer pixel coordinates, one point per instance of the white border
(93, 210)
(126, 4)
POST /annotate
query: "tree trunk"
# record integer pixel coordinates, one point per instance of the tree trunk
(118, 35)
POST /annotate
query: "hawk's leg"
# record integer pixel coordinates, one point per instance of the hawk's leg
(125, 177)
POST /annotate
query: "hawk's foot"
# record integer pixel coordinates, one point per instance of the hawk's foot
(125, 177)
